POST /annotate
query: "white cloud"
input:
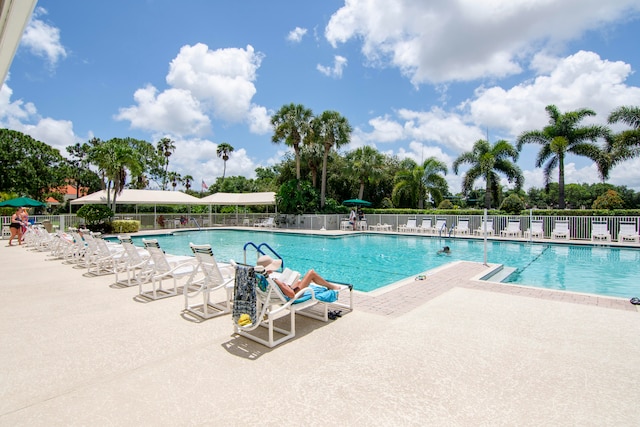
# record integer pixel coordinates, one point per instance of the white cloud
(462, 40)
(173, 111)
(204, 85)
(296, 35)
(43, 40)
(339, 62)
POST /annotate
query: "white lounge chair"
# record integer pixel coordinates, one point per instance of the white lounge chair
(600, 231)
(535, 230)
(271, 304)
(267, 223)
(106, 259)
(136, 263)
(164, 269)
(462, 227)
(409, 226)
(512, 229)
(561, 230)
(480, 231)
(628, 232)
(426, 226)
(441, 225)
(208, 277)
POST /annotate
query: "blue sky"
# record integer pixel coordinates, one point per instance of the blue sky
(414, 78)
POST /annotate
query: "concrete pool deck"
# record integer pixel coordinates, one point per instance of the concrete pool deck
(447, 350)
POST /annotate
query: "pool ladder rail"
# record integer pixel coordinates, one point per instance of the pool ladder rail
(260, 249)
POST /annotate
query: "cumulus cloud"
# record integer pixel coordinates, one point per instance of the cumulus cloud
(339, 62)
(463, 40)
(296, 35)
(42, 39)
(204, 85)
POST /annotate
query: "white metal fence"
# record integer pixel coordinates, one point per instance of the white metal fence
(579, 226)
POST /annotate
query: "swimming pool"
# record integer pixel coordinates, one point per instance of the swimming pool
(371, 261)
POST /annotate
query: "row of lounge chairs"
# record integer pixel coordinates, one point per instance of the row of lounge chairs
(158, 275)
(627, 232)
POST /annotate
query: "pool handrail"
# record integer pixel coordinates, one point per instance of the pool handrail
(260, 251)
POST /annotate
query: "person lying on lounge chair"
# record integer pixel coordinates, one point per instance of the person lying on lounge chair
(290, 290)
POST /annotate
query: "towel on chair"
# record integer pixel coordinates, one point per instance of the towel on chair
(322, 294)
(244, 300)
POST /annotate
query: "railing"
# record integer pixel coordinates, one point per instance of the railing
(579, 226)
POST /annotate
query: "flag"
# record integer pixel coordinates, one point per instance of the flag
(204, 185)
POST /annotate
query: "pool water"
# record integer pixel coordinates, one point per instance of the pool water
(371, 261)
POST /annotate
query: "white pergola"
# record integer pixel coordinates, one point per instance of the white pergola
(240, 199)
(140, 197)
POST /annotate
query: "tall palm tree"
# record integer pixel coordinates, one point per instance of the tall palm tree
(223, 151)
(367, 164)
(434, 184)
(187, 179)
(624, 145)
(332, 130)
(166, 147)
(312, 153)
(564, 135)
(486, 161)
(292, 124)
(174, 177)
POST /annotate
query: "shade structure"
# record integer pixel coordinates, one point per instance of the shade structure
(25, 202)
(356, 202)
(240, 199)
(140, 197)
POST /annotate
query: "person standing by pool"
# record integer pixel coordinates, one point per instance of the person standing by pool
(16, 226)
(353, 218)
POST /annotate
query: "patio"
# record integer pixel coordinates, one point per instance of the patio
(77, 351)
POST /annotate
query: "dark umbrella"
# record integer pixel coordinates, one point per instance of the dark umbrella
(356, 202)
(21, 202)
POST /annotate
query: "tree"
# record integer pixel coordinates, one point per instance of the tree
(486, 161)
(609, 200)
(435, 185)
(187, 180)
(29, 167)
(312, 154)
(165, 148)
(292, 124)
(416, 182)
(114, 158)
(367, 164)
(331, 130)
(223, 151)
(564, 135)
(174, 178)
(621, 146)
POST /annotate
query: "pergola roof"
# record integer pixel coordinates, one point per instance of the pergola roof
(240, 199)
(14, 16)
(141, 197)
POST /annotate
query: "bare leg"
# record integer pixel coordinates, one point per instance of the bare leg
(312, 276)
(14, 232)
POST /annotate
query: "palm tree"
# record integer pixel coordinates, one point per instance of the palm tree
(562, 136)
(367, 164)
(434, 184)
(113, 158)
(312, 153)
(187, 179)
(415, 182)
(486, 161)
(624, 145)
(174, 177)
(292, 124)
(165, 147)
(330, 129)
(223, 151)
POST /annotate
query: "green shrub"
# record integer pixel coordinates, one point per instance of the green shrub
(445, 204)
(125, 226)
(94, 214)
(609, 200)
(512, 204)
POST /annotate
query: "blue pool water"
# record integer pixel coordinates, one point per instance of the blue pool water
(370, 261)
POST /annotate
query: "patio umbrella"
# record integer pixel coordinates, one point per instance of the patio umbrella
(21, 202)
(356, 202)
